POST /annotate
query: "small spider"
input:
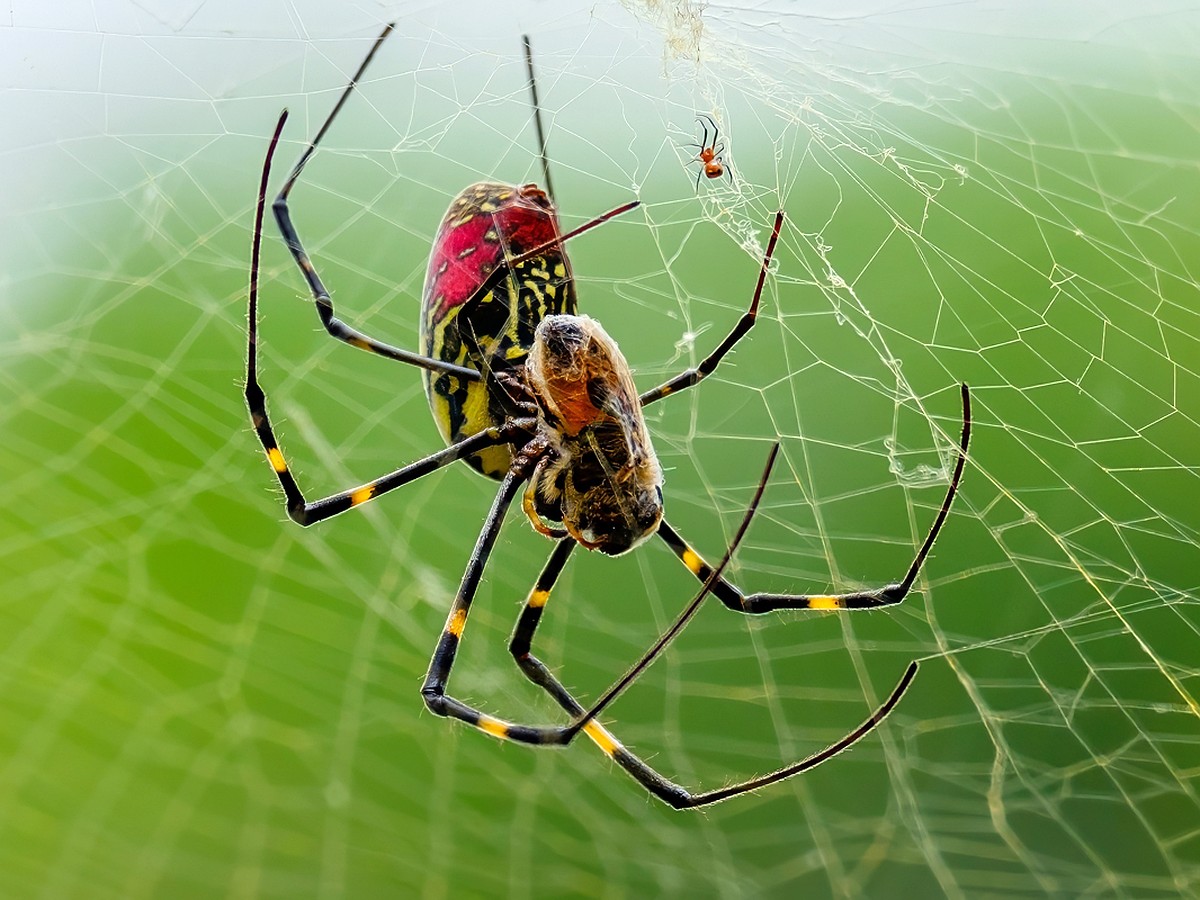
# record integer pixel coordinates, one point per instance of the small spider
(709, 157)
(530, 393)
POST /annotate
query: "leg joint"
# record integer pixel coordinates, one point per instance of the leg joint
(435, 700)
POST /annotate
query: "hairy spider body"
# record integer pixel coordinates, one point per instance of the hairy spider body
(490, 330)
(598, 475)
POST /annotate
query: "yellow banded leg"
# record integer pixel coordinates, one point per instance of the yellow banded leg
(433, 691)
(306, 513)
(653, 782)
(729, 594)
(533, 668)
(298, 508)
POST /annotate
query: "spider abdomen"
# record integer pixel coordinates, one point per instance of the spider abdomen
(487, 225)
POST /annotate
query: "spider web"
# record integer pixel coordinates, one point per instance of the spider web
(200, 699)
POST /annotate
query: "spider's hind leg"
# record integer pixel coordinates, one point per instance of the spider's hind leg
(888, 595)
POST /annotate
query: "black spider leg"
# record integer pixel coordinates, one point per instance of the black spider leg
(434, 690)
(717, 150)
(697, 374)
(888, 595)
(537, 114)
(515, 430)
(760, 603)
(653, 782)
(704, 145)
(335, 326)
(300, 510)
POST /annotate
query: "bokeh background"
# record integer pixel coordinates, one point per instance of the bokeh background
(199, 699)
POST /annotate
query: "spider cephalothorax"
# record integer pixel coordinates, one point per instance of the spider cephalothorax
(599, 476)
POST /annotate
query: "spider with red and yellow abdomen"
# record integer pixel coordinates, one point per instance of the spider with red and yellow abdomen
(540, 398)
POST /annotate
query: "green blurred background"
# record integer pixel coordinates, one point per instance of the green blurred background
(200, 699)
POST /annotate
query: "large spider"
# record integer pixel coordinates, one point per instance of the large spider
(531, 394)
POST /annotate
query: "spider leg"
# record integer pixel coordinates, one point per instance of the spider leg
(890, 594)
(745, 323)
(531, 614)
(433, 691)
(679, 797)
(652, 781)
(300, 510)
(537, 672)
(537, 114)
(304, 512)
(324, 304)
(716, 130)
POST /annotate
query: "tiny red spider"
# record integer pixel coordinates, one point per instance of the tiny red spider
(709, 157)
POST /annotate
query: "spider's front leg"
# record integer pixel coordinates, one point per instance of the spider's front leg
(694, 376)
(324, 304)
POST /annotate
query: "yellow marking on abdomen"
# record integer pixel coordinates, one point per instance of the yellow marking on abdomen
(494, 727)
(692, 561)
(538, 598)
(276, 459)
(605, 741)
(362, 495)
(458, 621)
(824, 603)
